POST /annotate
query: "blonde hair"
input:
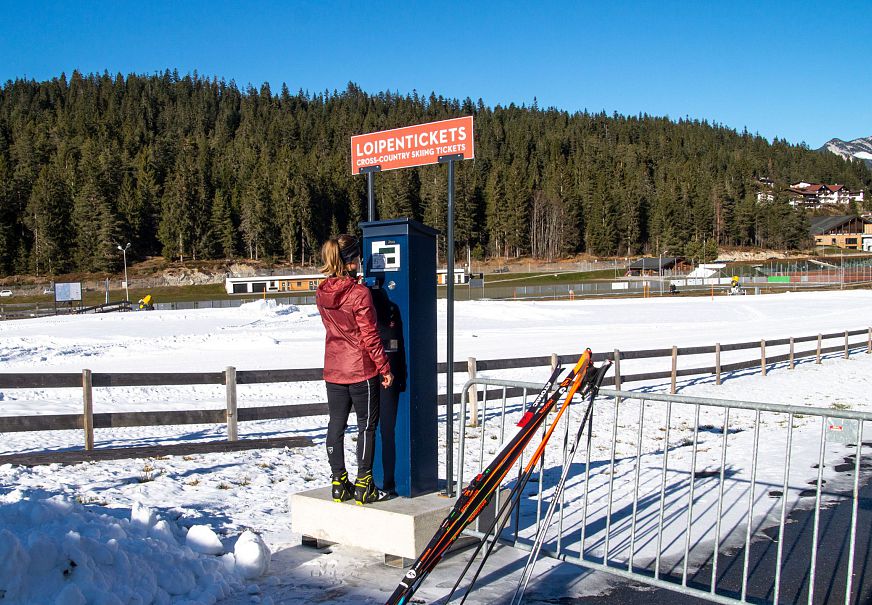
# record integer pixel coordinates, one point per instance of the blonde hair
(331, 256)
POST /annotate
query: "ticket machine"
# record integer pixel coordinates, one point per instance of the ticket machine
(399, 262)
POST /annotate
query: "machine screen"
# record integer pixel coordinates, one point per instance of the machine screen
(385, 256)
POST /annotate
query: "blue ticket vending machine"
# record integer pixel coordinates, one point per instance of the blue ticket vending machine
(399, 260)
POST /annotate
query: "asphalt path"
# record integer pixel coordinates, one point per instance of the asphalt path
(830, 572)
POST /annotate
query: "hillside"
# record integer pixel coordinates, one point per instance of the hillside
(193, 169)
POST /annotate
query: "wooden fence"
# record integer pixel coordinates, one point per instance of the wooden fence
(231, 378)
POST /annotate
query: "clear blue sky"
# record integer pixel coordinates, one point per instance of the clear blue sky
(795, 70)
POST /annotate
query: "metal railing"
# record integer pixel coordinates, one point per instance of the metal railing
(686, 497)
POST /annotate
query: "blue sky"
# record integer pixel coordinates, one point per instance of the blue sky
(793, 70)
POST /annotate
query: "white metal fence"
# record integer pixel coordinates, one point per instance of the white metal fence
(695, 495)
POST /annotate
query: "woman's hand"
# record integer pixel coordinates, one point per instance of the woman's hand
(387, 380)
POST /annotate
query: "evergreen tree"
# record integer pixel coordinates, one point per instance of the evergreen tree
(47, 219)
(223, 227)
(191, 167)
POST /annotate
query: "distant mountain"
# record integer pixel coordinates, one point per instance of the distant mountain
(860, 149)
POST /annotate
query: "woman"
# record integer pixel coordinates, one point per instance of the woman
(354, 364)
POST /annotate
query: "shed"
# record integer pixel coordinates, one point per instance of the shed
(653, 265)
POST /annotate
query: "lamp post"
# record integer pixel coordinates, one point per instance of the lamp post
(660, 272)
(842, 263)
(124, 252)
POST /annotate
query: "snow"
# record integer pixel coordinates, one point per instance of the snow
(56, 550)
(863, 155)
(216, 527)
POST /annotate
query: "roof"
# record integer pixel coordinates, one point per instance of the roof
(815, 188)
(651, 263)
(821, 224)
(805, 192)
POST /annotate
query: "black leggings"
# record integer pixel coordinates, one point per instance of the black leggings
(364, 396)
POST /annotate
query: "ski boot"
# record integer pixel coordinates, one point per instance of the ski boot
(365, 491)
(343, 489)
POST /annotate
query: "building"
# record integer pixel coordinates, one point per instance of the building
(841, 231)
(278, 284)
(814, 195)
(766, 190)
(657, 265)
(273, 284)
(461, 276)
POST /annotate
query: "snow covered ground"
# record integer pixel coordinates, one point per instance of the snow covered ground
(192, 521)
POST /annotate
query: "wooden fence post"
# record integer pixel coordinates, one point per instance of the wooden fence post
(847, 354)
(230, 381)
(818, 360)
(763, 357)
(791, 366)
(674, 367)
(717, 363)
(88, 411)
(471, 366)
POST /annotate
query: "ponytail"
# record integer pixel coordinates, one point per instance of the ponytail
(333, 265)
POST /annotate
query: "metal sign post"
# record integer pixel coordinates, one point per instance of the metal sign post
(449, 327)
(443, 142)
(370, 190)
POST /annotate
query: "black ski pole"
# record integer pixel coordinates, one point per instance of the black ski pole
(511, 502)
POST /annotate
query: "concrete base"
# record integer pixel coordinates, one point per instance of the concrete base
(399, 528)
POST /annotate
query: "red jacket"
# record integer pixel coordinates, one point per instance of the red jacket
(353, 351)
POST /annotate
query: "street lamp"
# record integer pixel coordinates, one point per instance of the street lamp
(660, 272)
(124, 252)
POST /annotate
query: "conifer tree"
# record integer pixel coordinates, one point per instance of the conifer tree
(192, 167)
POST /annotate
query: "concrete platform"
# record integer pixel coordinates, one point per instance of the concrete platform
(397, 528)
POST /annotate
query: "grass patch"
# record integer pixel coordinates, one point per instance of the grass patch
(148, 473)
(545, 278)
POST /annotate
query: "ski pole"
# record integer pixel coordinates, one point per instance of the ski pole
(513, 499)
(561, 485)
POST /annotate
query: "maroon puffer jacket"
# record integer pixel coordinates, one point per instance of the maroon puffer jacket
(353, 351)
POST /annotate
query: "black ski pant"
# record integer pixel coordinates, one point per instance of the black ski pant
(364, 396)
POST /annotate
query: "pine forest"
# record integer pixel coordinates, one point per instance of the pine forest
(195, 168)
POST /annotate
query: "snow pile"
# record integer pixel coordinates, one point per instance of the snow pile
(55, 550)
(268, 308)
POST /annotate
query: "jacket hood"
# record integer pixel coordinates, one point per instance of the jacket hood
(333, 291)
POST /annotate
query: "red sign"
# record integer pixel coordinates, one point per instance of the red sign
(413, 145)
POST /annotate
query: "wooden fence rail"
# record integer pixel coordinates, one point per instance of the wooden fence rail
(230, 378)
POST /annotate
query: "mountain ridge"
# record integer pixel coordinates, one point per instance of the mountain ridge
(860, 149)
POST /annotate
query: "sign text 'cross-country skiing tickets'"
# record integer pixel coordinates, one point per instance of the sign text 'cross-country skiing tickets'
(412, 145)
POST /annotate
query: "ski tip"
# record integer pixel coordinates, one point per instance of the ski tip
(525, 419)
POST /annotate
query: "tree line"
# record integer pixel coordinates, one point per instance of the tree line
(191, 167)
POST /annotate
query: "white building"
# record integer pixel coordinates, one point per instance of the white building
(814, 195)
